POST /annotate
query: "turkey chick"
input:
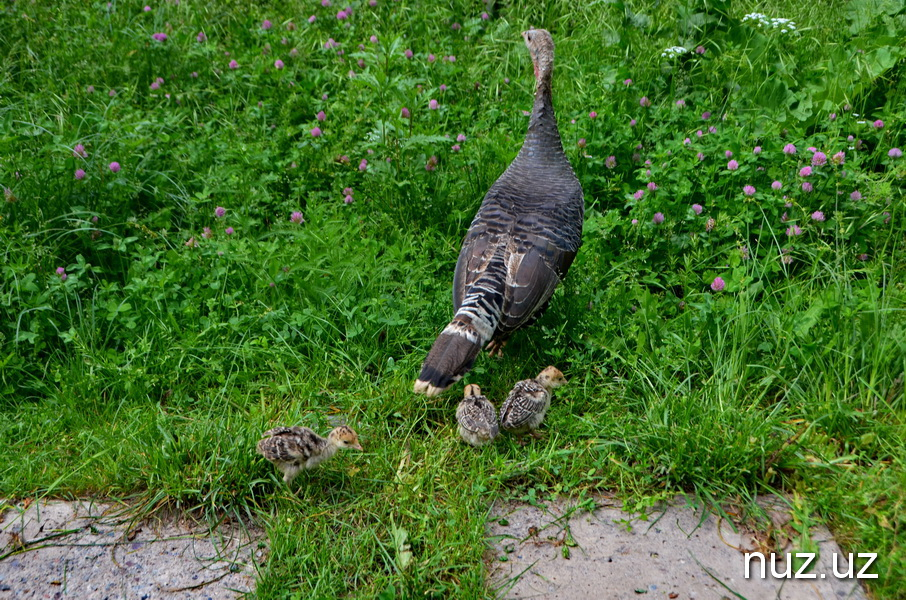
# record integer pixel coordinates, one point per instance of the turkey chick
(525, 407)
(293, 449)
(477, 418)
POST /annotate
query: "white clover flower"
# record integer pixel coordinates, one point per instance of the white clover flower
(760, 21)
(674, 51)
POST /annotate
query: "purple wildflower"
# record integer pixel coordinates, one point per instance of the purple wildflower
(431, 58)
(111, 93)
(862, 257)
(79, 151)
(748, 190)
(879, 124)
(321, 116)
(855, 196)
(278, 64)
(776, 185)
(817, 216)
(442, 87)
(461, 137)
(699, 49)
(718, 284)
(635, 221)
(639, 194)
(160, 37)
(373, 39)
(709, 225)
(455, 26)
(316, 132)
(807, 187)
(408, 53)
(839, 158)
(79, 174)
(114, 166)
(147, 8)
(681, 103)
(652, 186)
(485, 16)
(699, 133)
(627, 82)
(894, 153)
(90, 89)
(234, 64)
(297, 218)
(687, 142)
(697, 209)
(706, 115)
(832, 117)
(206, 233)
(645, 102)
(219, 212)
(456, 148)
(793, 230)
(712, 129)
(805, 171)
(756, 150)
(229, 231)
(433, 104)
(700, 156)
(819, 159)
(610, 162)
(312, 19)
(342, 15)
(789, 149)
(201, 37)
(592, 115)
(632, 122)
(363, 166)
(658, 218)
(431, 164)
(732, 165)
(728, 154)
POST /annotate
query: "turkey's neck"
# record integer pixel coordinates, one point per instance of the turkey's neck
(542, 132)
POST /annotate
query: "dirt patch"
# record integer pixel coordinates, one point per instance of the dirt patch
(678, 552)
(88, 550)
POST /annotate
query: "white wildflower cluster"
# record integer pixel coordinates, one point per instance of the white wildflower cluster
(764, 22)
(673, 52)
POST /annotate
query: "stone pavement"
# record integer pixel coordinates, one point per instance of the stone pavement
(56, 549)
(679, 552)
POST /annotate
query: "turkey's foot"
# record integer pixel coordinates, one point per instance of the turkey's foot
(495, 348)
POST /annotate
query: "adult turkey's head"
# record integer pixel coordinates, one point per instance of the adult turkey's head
(541, 46)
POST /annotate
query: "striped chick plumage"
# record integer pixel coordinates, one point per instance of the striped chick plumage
(294, 449)
(528, 402)
(477, 418)
(519, 246)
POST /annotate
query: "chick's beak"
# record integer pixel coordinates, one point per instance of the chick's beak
(357, 447)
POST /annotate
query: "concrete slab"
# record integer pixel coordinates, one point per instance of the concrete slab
(84, 550)
(679, 552)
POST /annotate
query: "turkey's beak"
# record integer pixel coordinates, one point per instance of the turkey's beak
(357, 447)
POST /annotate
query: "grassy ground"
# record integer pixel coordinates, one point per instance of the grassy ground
(150, 369)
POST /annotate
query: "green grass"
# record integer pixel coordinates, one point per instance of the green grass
(151, 371)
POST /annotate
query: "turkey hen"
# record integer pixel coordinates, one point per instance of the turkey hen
(520, 244)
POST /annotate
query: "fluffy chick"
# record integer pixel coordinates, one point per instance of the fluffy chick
(293, 449)
(477, 418)
(525, 407)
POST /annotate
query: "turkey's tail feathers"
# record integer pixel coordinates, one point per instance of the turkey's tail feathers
(452, 355)
(457, 346)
